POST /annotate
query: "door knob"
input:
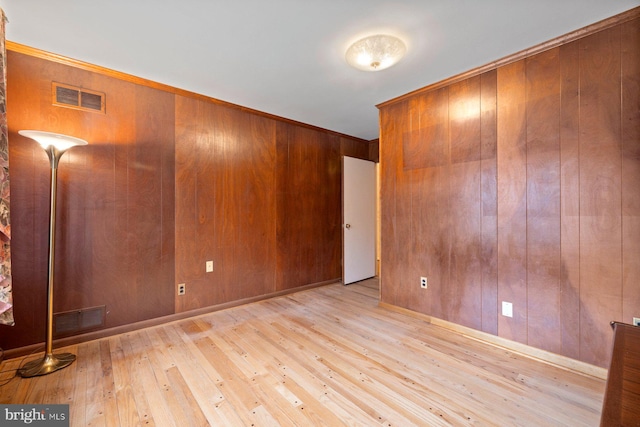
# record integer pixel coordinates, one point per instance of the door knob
(348, 226)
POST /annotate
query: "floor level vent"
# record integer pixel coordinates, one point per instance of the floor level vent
(71, 322)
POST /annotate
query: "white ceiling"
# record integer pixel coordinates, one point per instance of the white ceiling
(286, 57)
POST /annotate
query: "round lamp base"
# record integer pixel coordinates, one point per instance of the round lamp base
(50, 363)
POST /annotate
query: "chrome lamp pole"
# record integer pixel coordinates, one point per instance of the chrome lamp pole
(55, 145)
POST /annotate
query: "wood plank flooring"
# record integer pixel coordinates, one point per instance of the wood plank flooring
(327, 356)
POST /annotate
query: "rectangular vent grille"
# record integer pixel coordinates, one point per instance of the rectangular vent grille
(78, 98)
(85, 319)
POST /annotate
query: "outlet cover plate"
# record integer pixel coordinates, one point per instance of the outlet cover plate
(423, 282)
(209, 266)
(636, 321)
(181, 289)
(507, 309)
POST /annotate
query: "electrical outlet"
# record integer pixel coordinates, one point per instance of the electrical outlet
(423, 282)
(636, 321)
(182, 289)
(507, 309)
(209, 266)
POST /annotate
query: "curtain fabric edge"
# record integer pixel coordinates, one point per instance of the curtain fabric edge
(6, 291)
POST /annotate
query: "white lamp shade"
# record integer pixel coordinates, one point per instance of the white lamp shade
(48, 139)
(375, 53)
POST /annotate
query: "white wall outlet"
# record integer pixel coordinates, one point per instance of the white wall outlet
(423, 282)
(182, 288)
(507, 309)
(209, 266)
(636, 321)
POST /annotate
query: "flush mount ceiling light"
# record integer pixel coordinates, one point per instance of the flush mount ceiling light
(375, 53)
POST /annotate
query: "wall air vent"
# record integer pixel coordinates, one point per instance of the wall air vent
(78, 98)
(71, 322)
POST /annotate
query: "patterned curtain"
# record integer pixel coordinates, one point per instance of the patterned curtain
(6, 298)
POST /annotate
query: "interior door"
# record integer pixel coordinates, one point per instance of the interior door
(358, 219)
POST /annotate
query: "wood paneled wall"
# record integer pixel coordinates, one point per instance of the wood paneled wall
(521, 183)
(115, 238)
(167, 182)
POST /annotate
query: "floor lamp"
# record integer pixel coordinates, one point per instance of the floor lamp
(55, 145)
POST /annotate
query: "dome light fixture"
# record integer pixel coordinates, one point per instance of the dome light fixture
(375, 53)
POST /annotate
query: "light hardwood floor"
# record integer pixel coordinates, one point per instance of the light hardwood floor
(326, 356)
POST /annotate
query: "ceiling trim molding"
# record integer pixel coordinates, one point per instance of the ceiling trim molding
(60, 59)
(621, 18)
